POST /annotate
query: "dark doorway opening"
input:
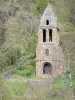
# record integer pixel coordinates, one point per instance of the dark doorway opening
(47, 22)
(44, 35)
(50, 35)
(47, 68)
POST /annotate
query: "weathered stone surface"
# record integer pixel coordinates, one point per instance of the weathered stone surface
(55, 56)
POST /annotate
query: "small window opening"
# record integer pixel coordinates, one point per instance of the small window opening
(47, 52)
(50, 35)
(47, 22)
(44, 35)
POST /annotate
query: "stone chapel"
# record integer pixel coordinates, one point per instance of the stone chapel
(49, 57)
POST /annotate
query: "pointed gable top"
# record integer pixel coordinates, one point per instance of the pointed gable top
(48, 11)
(48, 15)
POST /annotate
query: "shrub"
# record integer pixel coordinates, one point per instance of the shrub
(13, 54)
(41, 5)
(27, 70)
(4, 62)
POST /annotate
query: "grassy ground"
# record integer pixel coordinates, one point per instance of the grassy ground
(60, 91)
(60, 83)
(73, 82)
(18, 88)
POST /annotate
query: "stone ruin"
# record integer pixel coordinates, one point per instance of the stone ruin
(50, 60)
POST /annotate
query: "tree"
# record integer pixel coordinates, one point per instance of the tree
(71, 7)
(41, 5)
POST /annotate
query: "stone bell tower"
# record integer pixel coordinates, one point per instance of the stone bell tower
(49, 57)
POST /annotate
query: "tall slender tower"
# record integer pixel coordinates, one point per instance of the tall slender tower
(49, 57)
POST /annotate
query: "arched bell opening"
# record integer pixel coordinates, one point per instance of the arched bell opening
(50, 35)
(47, 22)
(44, 35)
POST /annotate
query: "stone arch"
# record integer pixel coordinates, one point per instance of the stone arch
(47, 22)
(44, 35)
(47, 68)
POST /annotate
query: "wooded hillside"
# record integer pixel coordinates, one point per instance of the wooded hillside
(19, 21)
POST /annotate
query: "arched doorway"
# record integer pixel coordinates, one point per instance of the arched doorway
(47, 68)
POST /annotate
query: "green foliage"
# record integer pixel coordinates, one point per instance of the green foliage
(69, 44)
(71, 7)
(9, 57)
(20, 42)
(61, 89)
(13, 54)
(2, 32)
(39, 93)
(18, 1)
(30, 45)
(73, 82)
(60, 83)
(4, 61)
(41, 5)
(27, 70)
(18, 88)
(69, 27)
(4, 91)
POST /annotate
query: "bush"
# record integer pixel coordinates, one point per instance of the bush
(13, 54)
(27, 70)
(4, 62)
(41, 5)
